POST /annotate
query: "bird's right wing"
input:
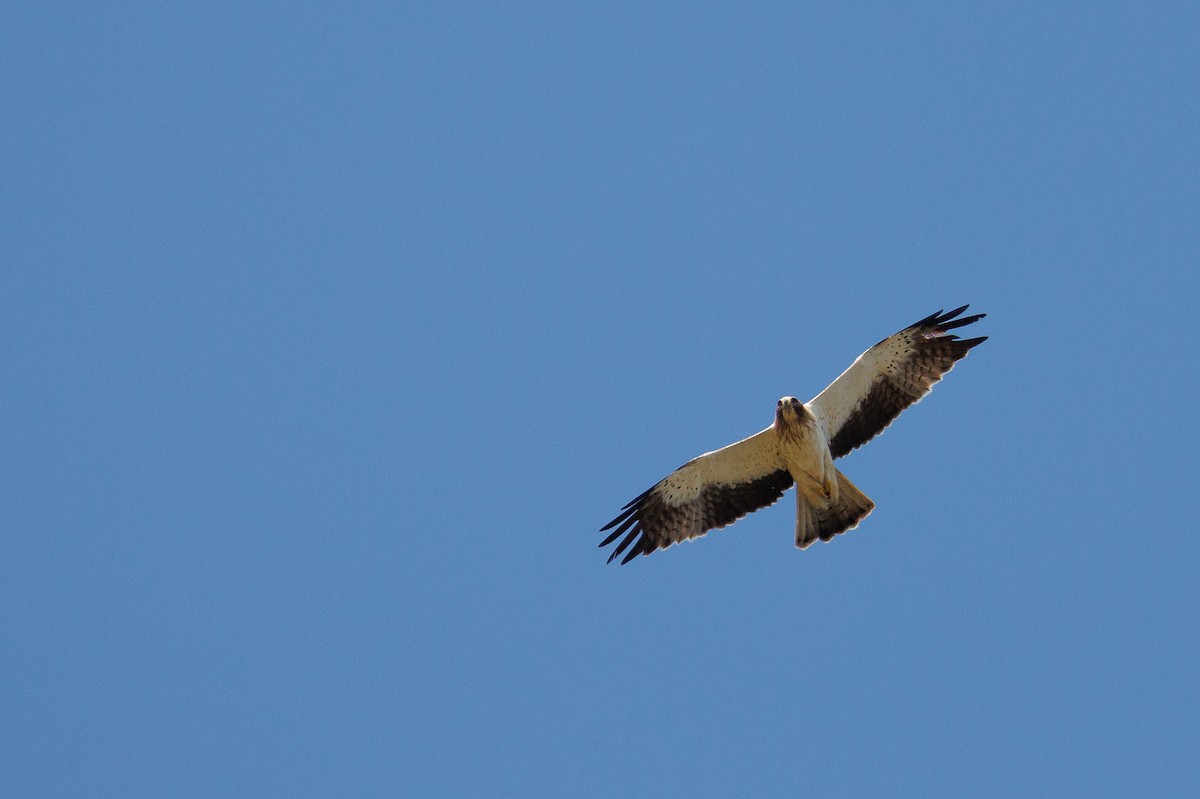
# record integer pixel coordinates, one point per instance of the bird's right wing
(705, 493)
(889, 377)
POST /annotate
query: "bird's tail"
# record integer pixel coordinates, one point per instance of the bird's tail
(825, 521)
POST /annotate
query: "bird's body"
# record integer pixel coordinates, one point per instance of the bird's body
(826, 502)
(719, 487)
(804, 451)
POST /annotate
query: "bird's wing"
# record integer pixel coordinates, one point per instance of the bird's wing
(705, 493)
(889, 377)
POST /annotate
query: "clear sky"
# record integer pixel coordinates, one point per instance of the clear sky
(332, 333)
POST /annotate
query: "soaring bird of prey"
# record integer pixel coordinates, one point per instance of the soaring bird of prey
(720, 487)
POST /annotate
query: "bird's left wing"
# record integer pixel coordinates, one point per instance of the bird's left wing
(889, 377)
(705, 493)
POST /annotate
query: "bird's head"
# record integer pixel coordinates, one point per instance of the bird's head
(789, 410)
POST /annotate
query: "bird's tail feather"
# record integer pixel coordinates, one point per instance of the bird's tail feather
(815, 522)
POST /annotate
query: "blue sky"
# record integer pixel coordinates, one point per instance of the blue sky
(332, 333)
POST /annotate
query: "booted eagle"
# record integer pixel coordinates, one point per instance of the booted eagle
(720, 487)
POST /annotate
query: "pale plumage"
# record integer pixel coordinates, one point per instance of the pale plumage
(719, 487)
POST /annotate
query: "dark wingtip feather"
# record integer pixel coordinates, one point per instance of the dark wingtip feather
(633, 553)
(625, 513)
(634, 533)
(630, 518)
(966, 320)
(612, 537)
(636, 500)
(945, 320)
